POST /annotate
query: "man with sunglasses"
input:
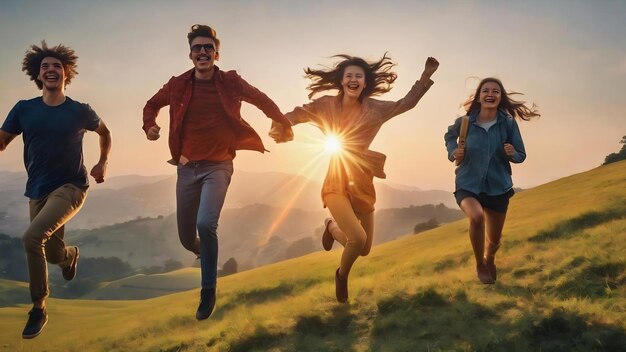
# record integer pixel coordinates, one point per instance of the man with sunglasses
(206, 129)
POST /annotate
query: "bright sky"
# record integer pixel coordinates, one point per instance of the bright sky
(569, 57)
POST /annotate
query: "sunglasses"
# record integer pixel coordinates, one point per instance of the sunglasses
(198, 47)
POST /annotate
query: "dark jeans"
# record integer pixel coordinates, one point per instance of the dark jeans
(200, 192)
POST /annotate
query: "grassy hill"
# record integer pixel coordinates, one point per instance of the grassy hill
(148, 286)
(561, 287)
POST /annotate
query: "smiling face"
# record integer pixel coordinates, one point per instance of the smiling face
(203, 53)
(52, 74)
(490, 95)
(353, 81)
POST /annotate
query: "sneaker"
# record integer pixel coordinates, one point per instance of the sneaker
(207, 303)
(70, 272)
(37, 319)
(327, 237)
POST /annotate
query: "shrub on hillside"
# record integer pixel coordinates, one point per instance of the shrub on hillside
(621, 155)
(229, 268)
(425, 226)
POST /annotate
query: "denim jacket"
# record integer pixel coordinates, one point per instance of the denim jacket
(486, 168)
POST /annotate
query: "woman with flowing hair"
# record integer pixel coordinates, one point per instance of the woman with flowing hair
(483, 182)
(354, 118)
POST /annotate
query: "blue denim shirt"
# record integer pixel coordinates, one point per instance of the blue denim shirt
(486, 168)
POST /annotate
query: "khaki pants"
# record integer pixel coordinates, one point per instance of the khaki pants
(355, 230)
(43, 239)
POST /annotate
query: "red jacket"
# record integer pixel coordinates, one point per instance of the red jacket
(232, 89)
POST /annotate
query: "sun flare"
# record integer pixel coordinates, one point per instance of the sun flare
(332, 144)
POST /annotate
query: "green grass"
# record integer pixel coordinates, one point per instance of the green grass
(564, 292)
(147, 286)
(13, 292)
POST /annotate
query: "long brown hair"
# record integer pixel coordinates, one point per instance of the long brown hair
(513, 107)
(378, 77)
(35, 55)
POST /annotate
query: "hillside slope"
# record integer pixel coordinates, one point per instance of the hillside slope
(561, 287)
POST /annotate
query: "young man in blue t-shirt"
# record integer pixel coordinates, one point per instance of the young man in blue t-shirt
(52, 127)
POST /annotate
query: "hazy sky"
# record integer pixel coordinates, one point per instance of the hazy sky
(569, 57)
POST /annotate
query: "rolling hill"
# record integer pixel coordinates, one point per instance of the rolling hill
(561, 287)
(124, 198)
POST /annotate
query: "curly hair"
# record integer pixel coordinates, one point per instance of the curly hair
(513, 107)
(378, 77)
(35, 55)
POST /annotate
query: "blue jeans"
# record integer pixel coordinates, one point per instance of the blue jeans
(200, 192)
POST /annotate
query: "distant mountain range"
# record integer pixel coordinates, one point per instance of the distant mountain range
(254, 235)
(124, 198)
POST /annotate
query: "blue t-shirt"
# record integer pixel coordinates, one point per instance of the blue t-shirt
(53, 142)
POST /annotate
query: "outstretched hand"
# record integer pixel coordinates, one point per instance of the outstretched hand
(430, 67)
(281, 133)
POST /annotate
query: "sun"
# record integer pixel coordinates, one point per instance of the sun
(332, 145)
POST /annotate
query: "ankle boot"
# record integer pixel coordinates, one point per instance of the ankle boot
(341, 287)
(327, 237)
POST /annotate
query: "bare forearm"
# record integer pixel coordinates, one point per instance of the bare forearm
(5, 139)
(105, 146)
(105, 142)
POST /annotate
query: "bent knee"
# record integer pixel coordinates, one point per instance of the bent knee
(357, 243)
(365, 251)
(55, 257)
(207, 229)
(32, 241)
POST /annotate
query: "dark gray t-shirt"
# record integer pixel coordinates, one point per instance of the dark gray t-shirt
(53, 142)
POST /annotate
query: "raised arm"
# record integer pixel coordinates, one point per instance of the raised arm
(99, 170)
(391, 109)
(5, 139)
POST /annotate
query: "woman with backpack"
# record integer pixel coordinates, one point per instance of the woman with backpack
(488, 142)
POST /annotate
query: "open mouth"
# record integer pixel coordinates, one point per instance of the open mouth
(490, 100)
(51, 77)
(353, 86)
(204, 58)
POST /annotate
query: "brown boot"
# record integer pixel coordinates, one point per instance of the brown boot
(341, 287)
(327, 237)
(490, 259)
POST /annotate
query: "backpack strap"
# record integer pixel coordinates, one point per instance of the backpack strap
(463, 133)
